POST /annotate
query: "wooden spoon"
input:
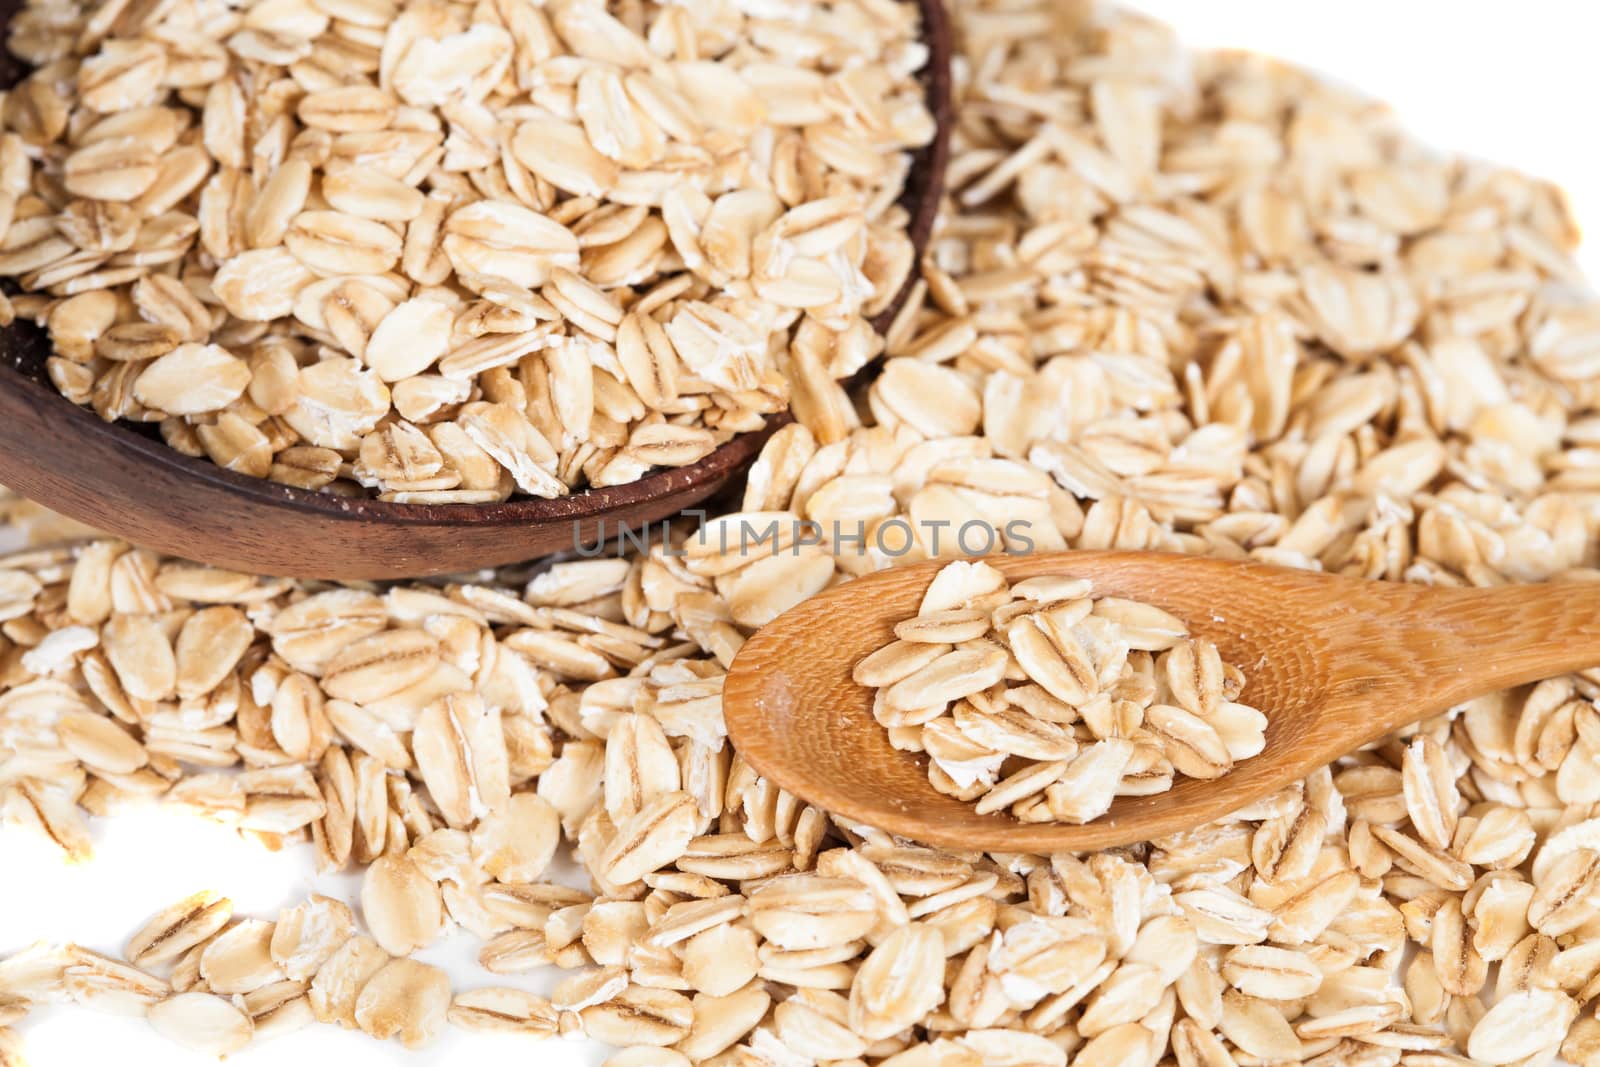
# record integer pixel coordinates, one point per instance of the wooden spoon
(122, 478)
(1335, 663)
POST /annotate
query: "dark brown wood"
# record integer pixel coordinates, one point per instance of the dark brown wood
(1333, 662)
(123, 479)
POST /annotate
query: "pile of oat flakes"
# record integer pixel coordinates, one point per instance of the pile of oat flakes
(1191, 302)
(446, 252)
(1047, 702)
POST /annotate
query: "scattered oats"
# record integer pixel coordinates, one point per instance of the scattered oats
(1182, 302)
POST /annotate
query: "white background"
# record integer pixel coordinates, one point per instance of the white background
(1513, 82)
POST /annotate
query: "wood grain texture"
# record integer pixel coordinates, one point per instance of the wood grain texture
(123, 479)
(1333, 662)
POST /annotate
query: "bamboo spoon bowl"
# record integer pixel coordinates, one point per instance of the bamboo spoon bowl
(122, 478)
(1335, 663)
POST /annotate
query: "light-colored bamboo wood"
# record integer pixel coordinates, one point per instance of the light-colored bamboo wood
(1334, 663)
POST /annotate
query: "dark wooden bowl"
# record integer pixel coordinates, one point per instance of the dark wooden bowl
(122, 478)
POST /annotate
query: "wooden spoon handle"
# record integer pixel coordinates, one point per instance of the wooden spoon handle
(1379, 654)
(1473, 641)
